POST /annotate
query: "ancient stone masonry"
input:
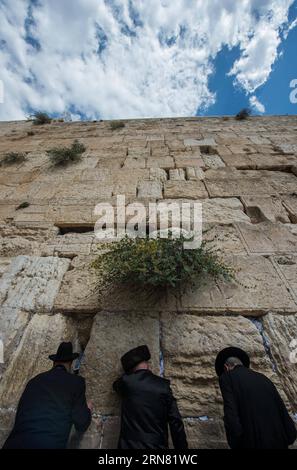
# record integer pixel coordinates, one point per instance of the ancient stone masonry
(245, 175)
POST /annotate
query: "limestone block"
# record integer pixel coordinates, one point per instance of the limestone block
(265, 161)
(239, 161)
(194, 174)
(164, 162)
(158, 174)
(268, 237)
(223, 211)
(135, 162)
(237, 184)
(177, 174)
(287, 265)
(213, 161)
(81, 193)
(69, 245)
(258, 289)
(205, 433)
(13, 322)
(281, 332)
(260, 208)
(79, 291)
(111, 431)
(7, 417)
(31, 283)
(149, 189)
(182, 162)
(280, 181)
(185, 189)
(202, 142)
(91, 439)
(224, 239)
(112, 335)
(190, 345)
(41, 338)
(290, 203)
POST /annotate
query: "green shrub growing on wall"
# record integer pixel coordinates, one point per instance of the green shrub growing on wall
(60, 156)
(12, 158)
(160, 262)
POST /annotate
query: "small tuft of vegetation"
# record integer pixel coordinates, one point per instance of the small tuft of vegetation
(61, 156)
(158, 262)
(243, 114)
(40, 118)
(23, 205)
(117, 125)
(12, 158)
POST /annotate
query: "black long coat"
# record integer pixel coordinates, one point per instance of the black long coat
(254, 414)
(51, 403)
(148, 407)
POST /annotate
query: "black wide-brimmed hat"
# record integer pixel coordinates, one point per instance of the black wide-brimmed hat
(64, 353)
(134, 357)
(230, 352)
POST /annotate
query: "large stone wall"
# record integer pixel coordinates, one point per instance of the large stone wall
(245, 175)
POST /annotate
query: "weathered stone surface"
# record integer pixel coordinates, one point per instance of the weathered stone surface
(287, 266)
(41, 338)
(7, 420)
(213, 161)
(281, 331)
(112, 335)
(191, 343)
(223, 211)
(204, 433)
(290, 203)
(80, 288)
(261, 208)
(258, 289)
(185, 189)
(149, 189)
(268, 237)
(31, 283)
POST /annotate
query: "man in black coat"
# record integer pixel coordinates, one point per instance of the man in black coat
(254, 414)
(148, 406)
(51, 403)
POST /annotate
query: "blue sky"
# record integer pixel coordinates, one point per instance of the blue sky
(108, 59)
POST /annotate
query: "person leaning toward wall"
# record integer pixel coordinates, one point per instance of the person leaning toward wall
(148, 406)
(51, 403)
(255, 416)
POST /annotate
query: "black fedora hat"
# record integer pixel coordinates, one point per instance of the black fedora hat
(134, 357)
(230, 352)
(64, 353)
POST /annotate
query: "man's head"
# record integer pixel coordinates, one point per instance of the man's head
(64, 356)
(231, 363)
(228, 358)
(136, 359)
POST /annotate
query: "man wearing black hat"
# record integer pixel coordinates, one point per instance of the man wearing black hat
(148, 406)
(254, 414)
(51, 403)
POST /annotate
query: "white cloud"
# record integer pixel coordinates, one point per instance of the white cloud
(155, 56)
(257, 105)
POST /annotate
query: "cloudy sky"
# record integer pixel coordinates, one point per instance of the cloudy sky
(109, 59)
